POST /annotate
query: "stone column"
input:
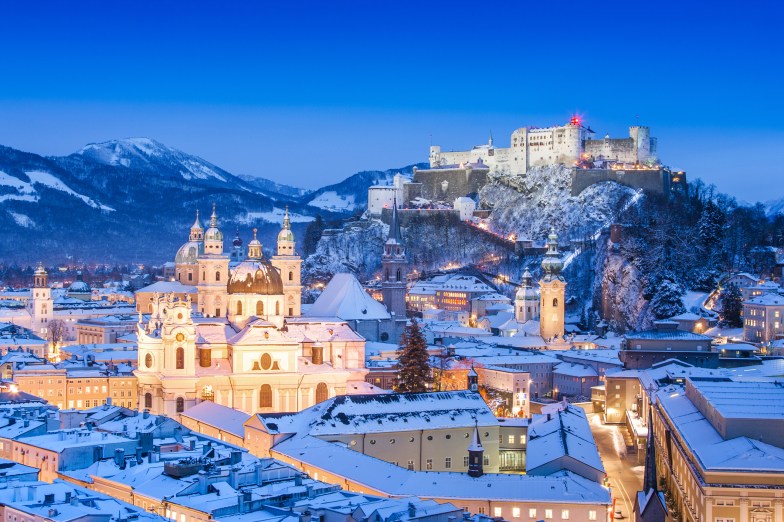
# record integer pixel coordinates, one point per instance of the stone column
(709, 509)
(744, 510)
(778, 509)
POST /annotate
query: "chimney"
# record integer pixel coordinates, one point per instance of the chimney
(192, 444)
(139, 458)
(236, 457)
(119, 458)
(234, 476)
(74, 500)
(145, 413)
(202, 480)
(52, 513)
(258, 469)
(31, 493)
(108, 402)
(305, 516)
(411, 510)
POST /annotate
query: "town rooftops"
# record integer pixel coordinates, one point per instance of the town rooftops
(741, 399)
(575, 370)
(668, 335)
(166, 287)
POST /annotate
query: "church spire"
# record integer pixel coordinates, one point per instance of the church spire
(286, 220)
(649, 479)
(254, 247)
(394, 225)
(197, 233)
(552, 263)
(476, 454)
(213, 218)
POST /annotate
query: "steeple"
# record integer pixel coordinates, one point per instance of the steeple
(526, 300)
(197, 232)
(213, 237)
(213, 217)
(40, 278)
(649, 479)
(254, 247)
(552, 263)
(490, 141)
(394, 226)
(476, 454)
(286, 237)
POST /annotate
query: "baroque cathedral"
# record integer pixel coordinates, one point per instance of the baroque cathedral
(243, 343)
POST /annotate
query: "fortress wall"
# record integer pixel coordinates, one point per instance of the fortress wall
(459, 182)
(656, 181)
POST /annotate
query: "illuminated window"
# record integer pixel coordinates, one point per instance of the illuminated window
(532, 512)
(516, 512)
(180, 359)
(548, 513)
(265, 396)
(497, 511)
(592, 514)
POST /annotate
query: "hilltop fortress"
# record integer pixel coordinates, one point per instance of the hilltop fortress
(630, 161)
(569, 144)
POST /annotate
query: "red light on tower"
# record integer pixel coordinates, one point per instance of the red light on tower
(575, 120)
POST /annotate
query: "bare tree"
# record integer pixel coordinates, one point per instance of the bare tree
(55, 334)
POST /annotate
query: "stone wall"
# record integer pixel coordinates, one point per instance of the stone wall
(450, 184)
(658, 181)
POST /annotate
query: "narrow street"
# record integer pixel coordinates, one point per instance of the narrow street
(624, 469)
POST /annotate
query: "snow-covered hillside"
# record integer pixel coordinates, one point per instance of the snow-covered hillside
(530, 205)
(30, 190)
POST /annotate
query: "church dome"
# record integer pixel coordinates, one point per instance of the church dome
(213, 234)
(189, 252)
(255, 276)
(79, 286)
(286, 235)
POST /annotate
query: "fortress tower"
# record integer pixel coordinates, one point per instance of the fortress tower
(289, 264)
(642, 142)
(552, 289)
(41, 307)
(394, 269)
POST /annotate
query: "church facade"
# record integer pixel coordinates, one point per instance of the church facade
(242, 344)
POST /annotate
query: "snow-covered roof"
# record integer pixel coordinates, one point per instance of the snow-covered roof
(220, 417)
(712, 451)
(562, 487)
(667, 335)
(575, 370)
(345, 298)
(563, 433)
(165, 287)
(766, 300)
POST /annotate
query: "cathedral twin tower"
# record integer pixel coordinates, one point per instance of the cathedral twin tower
(253, 287)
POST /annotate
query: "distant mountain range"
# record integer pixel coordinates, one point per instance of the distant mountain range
(133, 200)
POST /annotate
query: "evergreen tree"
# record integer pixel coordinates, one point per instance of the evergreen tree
(312, 235)
(414, 373)
(710, 227)
(731, 306)
(667, 301)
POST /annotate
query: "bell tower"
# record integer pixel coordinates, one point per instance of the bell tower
(526, 300)
(289, 264)
(552, 289)
(41, 306)
(476, 454)
(213, 268)
(394, 269)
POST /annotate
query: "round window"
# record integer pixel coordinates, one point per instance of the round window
(391, 441)
(448, 436)
(266, 361)
(411, 439)
(429, 437)
(372, 441)
(179, 316)
(180, 337)
(148, 360)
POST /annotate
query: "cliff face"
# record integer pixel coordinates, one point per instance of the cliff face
(530, 205)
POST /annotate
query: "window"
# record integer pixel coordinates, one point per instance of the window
(564, 514)
(429, 464)
(511, 439)
(592, 514)
(516, 512)
(180, 359)
(522, 439)
(555, 303)
(291, 276)
(322, 393)
(497, 511)
(372, 441)
(486, 460)
(465, 462)
(548, 513)
(448, 463)
(239, 307)
(259, 308)
(411, 465)
(148, 400)
(217, 276)
(532, 512)
(180, 407)
(265, 396)
(277, 307)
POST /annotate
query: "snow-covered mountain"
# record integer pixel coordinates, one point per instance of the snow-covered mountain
(351, 193)
(774, 207)
(130, 200)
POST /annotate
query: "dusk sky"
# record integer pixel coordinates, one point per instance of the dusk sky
(308, 93)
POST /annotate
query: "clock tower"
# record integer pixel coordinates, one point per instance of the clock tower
(552, 290)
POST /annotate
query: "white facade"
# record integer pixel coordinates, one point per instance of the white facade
(465, 206)
(384, 196)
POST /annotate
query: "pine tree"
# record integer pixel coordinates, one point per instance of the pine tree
(414, 373)
(731, 306)
(667, 301)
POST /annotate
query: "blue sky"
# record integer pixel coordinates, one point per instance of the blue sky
(310, 92)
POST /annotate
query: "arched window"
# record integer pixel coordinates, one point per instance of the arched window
(265, 396)
(555, 303)
(180, 405)
(259, 308)
(239, 307)
(291, 276)
(149, 308)
(277, 307)
(179, 362)
(217, 276)
(148, 400)
(398, 275)
(322, 393)
(386, 275)
(148, 360)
